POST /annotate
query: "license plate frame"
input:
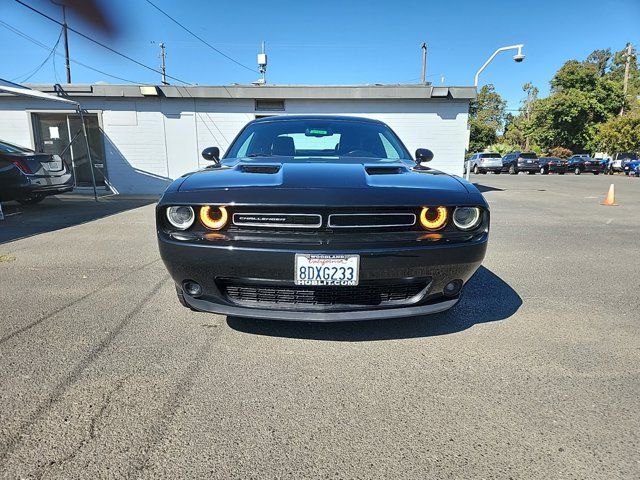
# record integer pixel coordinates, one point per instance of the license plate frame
(312, 269)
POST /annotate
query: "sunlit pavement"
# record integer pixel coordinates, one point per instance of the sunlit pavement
(535, 374)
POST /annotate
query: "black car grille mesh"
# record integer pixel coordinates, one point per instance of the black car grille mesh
(323, 297)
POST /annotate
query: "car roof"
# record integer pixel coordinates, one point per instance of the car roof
(284, 118)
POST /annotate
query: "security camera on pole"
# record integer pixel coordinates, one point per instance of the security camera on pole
(518, 58)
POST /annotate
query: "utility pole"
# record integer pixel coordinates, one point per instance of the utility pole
(625, 86)
(424, 63)
(65, 34)
(163, 66)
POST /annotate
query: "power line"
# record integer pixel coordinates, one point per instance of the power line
(42, 45)
(51, 53)
(87, 37)
(198, 37)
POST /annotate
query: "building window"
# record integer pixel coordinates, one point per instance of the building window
(269, 105)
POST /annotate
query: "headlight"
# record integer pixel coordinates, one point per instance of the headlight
(433, 218)
(213, 218)
(466, 218)
(181, 217)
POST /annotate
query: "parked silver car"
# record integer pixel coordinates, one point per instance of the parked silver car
(485, 162)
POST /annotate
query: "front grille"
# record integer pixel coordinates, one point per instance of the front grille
(323, 297)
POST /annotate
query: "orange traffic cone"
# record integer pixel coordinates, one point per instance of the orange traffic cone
(610, 199)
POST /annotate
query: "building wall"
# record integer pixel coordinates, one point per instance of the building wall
(151, 141)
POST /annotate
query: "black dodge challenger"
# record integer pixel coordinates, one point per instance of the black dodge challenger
(320, 218)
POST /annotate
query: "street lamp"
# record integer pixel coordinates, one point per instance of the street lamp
(518, 58)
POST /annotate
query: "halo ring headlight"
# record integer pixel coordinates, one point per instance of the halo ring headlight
(433, 218)
(466, 218)
(212, 217)
(180, 216)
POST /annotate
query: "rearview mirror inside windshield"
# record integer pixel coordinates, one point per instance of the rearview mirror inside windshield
(318, 132)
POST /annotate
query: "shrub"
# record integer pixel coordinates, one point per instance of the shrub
(560, 152)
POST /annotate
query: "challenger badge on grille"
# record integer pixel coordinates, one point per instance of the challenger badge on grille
(291, 220)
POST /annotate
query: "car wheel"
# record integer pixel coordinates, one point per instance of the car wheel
(182, 300)
(596, 173)
(577, 171)
(476, 170)
(543, 171)
(512, 170)
(30, 200)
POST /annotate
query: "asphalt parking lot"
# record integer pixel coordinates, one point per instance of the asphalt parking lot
(534, 374)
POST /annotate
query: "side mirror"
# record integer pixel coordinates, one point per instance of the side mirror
(211, 154)
(423, 155)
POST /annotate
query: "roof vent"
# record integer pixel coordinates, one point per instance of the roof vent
(271, 169)
(385, 170)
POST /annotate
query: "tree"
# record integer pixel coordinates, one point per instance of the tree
(563, 119)
(580, 100)
(486, 118)
(574, 74)
(620, 134)
(600, 59)
(528, 104)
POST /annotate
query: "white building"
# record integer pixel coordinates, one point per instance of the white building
(142, 137)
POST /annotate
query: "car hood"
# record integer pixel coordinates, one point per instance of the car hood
(322, 182)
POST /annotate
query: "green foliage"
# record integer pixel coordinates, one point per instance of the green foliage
(600, 59)
(502, 148)
(620, 134)
(573, 74)
(486, 118)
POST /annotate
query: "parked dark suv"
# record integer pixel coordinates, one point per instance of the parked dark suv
(583, 163)
(516, 162)
(28, 176)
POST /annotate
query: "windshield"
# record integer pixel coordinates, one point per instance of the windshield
(528, 155)
(317, 138)
(490, 155)
(10, 148)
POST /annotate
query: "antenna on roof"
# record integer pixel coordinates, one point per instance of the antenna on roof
(262, 67)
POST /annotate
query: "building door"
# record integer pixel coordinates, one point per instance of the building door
(61, 134)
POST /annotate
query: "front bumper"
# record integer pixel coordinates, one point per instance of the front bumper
(212, 263)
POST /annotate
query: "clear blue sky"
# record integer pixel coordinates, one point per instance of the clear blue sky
(329, 42)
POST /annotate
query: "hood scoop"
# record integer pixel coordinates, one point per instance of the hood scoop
(266, 169)
(383, 170)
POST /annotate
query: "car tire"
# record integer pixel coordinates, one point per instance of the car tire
(476, 170)
(577, 171)
(30, 200)
(560, 173)
(182, 300)
(596, 173)
(512, 170)
(543, 171)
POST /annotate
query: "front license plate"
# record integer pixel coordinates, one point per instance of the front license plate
(327, 269)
